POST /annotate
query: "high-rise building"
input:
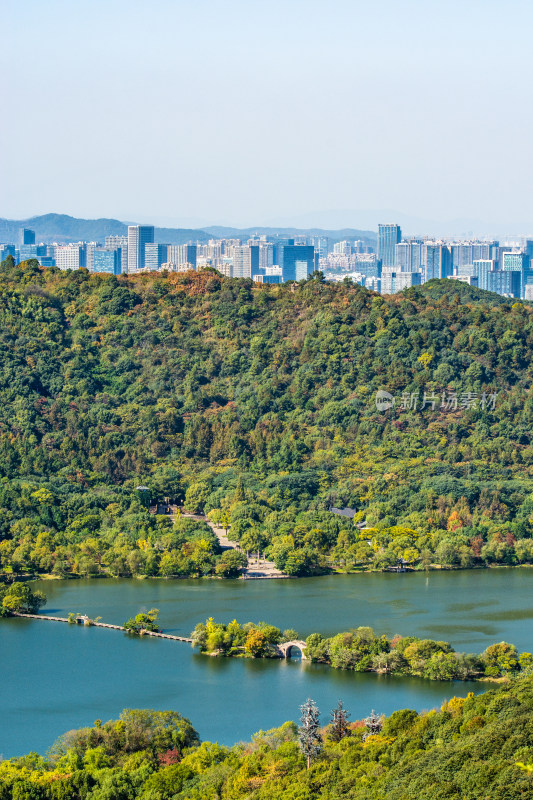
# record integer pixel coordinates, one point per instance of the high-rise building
(408, 255)
(464, 271)
(465, 253)
(297, 261)
(26, 236)
(119, 243)
(515, 261)
(245, 260)
(138, 237)
(368, 264)
(27, 251)
(154, 256)
(266, 255)
(471, 280)
(225, 267)
(302, 269)
(183, 255)
(505, 282)
(393, 280)
(90, 247)
(527, 247)
(342, 248)
(518, 262)
(111, 242)
(461, 256)
(7, 250)
(107, 260)
(388, 237)
(483, 250)
(321, 244)
(264, 278)
(36, 251)
(482, 268)
(437, 262)
(70, 256)
(373, 283)
(528, 277)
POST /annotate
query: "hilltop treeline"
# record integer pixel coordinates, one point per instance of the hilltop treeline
(478, 747)
(257, 405)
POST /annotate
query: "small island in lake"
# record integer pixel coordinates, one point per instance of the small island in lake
(362, 650)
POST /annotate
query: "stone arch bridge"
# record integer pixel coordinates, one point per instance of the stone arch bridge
(285, 649)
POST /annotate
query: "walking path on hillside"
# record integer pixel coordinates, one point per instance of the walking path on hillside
(255, 569)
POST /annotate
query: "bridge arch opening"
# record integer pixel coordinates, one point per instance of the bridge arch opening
(294, 650)
(291, 649)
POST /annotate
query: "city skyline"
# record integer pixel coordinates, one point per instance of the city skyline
(391, 263)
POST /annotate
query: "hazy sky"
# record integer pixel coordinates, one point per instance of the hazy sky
(247, 112)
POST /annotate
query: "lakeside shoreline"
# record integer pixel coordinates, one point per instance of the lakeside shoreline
(8, 578)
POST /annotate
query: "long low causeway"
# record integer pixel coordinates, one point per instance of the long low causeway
(80, 621)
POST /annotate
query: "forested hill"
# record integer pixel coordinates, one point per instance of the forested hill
(440, 290)
(259, 403)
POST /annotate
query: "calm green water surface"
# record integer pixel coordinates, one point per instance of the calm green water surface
(56, 677)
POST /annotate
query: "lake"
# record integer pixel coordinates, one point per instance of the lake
(56, 677)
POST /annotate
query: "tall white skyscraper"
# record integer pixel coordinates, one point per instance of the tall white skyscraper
(70, 256)
(245, 261)
(138, 236)
(183, 255)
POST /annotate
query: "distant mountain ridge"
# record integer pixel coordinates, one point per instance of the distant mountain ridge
(64, 228)
(223, 231)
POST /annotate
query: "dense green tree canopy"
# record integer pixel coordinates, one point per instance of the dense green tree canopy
(258, 402)
(20, 598)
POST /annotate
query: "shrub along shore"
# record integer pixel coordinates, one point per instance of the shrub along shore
(362, 650)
